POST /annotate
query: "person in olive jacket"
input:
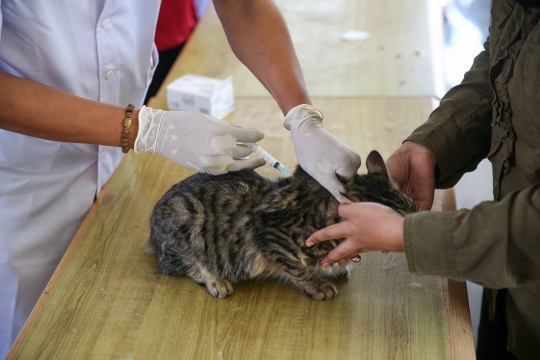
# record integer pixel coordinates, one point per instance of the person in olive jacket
(493, 113)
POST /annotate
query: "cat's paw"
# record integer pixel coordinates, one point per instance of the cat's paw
(335, 272)
(344, 273)
(220, 288)
(324, 291)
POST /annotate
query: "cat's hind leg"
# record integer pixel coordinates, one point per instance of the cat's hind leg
(216, 286)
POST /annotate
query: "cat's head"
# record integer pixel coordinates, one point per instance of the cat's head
(376, 186)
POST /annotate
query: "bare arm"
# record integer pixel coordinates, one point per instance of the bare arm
(259, 37)
(37, 110)
(41, 111)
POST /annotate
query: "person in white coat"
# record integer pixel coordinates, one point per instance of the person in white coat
(68, 69)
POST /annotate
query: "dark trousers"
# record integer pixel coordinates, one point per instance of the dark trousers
(493, 334)
(166, 61)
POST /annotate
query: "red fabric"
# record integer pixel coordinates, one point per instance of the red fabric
(176, 20)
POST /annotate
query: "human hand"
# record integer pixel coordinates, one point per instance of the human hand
(366, 227)
(319, 153)
(196, 141)
(412, 166)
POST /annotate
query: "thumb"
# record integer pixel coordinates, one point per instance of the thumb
(350, 167)
(244, 134)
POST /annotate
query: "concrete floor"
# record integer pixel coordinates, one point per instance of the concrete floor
(466, 28)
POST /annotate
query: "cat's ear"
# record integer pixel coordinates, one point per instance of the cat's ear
(375, 164)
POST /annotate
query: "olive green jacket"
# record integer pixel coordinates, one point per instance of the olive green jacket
(493, 113)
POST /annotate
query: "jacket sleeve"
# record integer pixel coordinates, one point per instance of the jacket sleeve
(458, 132)
(495, 244)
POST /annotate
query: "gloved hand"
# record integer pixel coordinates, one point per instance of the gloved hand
(196, 141)
(319, 153)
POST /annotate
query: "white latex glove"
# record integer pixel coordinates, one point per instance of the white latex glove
(319, 153)
(196, 141)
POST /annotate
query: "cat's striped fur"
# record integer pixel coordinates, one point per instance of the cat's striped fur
(220, 230)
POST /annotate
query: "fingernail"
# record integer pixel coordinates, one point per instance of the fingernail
(342, 260)
(309, 243)
(325, 264)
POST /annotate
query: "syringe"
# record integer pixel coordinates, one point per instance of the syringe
(267, 157)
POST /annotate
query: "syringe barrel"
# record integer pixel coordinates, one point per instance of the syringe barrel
(267, 157)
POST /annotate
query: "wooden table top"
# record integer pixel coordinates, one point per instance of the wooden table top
(107, 300)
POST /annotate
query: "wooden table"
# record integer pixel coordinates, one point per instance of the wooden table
(107, 301)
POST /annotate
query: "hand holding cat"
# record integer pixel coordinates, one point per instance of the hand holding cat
(412, 166)
(319, 153)
(366, 227)
(196, 141)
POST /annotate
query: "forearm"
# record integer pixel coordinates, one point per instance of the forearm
(260, 39)
(494, 244)
(37, 110)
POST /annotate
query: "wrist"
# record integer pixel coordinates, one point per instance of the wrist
(399, 238)
(134, 131)
(396, 237)
(302, 113)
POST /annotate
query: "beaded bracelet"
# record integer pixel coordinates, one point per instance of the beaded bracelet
(127, 125)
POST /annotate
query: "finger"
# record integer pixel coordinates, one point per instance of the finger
(333, 185)
(345, 250)
(355, 258)
(216, 165)
(336, 231)
(206, 170)
(246, 164)
(345, 210)
(213, 171)
(239, 152)
(243, 134)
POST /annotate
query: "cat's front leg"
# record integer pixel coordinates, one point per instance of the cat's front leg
(216, 286)
(311, 283)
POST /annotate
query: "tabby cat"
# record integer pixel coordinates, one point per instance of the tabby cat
(220, 230)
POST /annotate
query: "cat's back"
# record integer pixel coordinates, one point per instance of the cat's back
(202, 200)
(238, 184)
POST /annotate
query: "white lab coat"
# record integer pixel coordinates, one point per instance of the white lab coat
(100, 50)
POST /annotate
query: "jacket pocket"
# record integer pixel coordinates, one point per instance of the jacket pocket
(26, 153)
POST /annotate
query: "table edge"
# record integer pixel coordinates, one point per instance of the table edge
(16, 347)
(456, 301)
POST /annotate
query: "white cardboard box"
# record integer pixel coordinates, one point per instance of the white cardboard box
(201, 94)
